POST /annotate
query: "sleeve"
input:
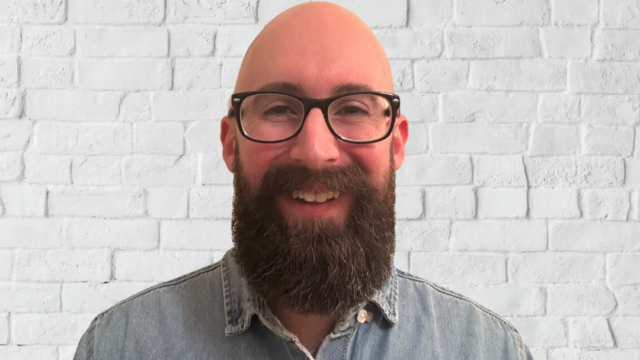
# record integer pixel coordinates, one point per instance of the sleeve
(85, 346)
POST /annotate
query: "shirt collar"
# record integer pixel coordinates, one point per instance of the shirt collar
(241, 302)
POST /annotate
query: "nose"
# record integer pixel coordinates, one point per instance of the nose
(315, 145)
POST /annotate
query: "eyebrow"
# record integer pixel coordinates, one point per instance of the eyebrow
(296, 89)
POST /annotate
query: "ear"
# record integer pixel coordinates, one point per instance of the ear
(400, 136)
(228, 139)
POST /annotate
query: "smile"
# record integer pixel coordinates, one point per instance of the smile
(315, 197)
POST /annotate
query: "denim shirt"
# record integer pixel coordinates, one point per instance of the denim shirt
(212, 313)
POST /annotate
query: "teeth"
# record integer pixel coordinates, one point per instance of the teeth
(311, 197)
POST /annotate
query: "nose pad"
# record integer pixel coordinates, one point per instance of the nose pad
(315, 145)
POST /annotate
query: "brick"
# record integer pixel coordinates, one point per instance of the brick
(605, 204)
(401, 261)
(47, 41)
(8, 71)
(213, 202)
(197, 74)
(541, 331)
(47, 169)
(506, 299)
(617, 45)
(96, 170)
(132, 74)
(594, 236)
(46, 73)
(611, 109)
(94, 298)
(394, 13)
(499, 235)
(435, 170)
(163, 138)
(199, 135)
(230, 70)
(69, 351)
(430, 12)
(10, 104)
(409, 202)
(418, 143)
(189, 105)
(10, 39)
(614, 141)
(567, 171)
(121, 234)
(589, 332)
(102, 202)
(196, 235)
(571, 43)
(450, 203)
(267, 10)
(10, 166)
(419, 107)
(50, 329)
(402, 71)
(119, 11)
(553, 203)
(635, 205)
(159, 170)
(432, 235)
(23, 200)
(575, 12)
(14, 135)
(502, 203)
(492, 43)
(211, 12)
(623, 269)
(584, 354)
(478, 138)
(489, 107)
(487, 12)
(580, 300)
(213, 170)
(518, 75)
(153, 266)
(235, 40)
(499, 170)
(72, 105)
(135, 107)
(626, 331)
(84, 139)
(628, 299)
(4, 329)
(463, 269)
(604, 77)
(192, 41)
(621, 14)
(167, 203)
(559, 108)
(554, 140)
(122, 42)
(556, 267)
(411, 43)
(29, 297)
(441, 75)
(13, 352)
(6, 264)
(34, 11)
(63, 265)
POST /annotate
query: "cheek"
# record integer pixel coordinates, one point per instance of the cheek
(256, 159)
(374, 158)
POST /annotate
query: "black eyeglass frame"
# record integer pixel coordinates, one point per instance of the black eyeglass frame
(310, 103)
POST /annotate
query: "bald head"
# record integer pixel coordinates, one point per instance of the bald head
(317, 46)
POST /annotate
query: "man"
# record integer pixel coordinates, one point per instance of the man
(311, 274)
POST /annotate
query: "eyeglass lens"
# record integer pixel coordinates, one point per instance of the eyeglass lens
(273, 117)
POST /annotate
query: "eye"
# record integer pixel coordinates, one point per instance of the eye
(276, 110)
(351, 110)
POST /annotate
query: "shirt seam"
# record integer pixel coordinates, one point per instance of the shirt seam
(517, 338)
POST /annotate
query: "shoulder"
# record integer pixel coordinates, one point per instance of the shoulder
(455, 314)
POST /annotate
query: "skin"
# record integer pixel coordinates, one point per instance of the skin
(315, 49)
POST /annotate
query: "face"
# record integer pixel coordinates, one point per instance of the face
(342, 58)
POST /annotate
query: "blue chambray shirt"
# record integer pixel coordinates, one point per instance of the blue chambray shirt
(212, 313)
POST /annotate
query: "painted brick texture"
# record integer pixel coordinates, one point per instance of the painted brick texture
(520, 189)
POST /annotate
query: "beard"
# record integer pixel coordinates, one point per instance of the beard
(315, 265)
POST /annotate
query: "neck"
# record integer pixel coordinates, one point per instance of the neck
(311, 329)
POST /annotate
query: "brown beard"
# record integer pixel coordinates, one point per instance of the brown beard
(319, 266)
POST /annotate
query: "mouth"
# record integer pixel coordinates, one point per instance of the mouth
(316, 202)
(317, 197)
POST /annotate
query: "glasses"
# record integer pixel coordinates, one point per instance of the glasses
(272, 117)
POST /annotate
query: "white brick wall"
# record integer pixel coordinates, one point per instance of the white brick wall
(521, 186)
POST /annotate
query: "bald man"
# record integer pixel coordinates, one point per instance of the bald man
(313, 136)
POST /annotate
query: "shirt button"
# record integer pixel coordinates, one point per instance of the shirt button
(362, 316)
